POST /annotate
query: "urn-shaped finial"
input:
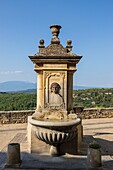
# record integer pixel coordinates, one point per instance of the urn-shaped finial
(55, 32)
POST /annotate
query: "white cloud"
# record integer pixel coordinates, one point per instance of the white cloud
(10, 72)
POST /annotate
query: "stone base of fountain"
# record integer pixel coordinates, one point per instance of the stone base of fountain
(40, 137)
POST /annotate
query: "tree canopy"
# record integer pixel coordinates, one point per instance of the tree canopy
(88, 98)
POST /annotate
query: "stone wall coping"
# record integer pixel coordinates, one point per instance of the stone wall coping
(110, 108)
(18, 111)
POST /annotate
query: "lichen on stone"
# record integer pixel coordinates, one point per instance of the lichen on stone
(53, 115)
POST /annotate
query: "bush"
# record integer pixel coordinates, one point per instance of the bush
(94, 145)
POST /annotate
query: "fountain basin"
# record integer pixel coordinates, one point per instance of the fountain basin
(54, 132)
(53, 123)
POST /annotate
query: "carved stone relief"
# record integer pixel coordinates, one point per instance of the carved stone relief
(55, 90)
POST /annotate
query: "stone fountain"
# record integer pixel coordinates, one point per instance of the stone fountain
(54, 127)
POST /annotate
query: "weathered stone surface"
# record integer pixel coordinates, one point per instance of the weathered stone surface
(94, 158)
(41, 139)
(92, 113)
(10, 117)
(13, 155)
(54, 115)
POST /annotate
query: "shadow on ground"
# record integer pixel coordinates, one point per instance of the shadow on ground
(46, 162)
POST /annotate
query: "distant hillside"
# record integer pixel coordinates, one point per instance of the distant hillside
(93, 97)
(16, 86)
(29, 91)
(87, 98)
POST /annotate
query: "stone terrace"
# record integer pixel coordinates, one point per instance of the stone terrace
(100, 130)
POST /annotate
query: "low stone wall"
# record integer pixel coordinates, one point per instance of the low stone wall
(8, 117)
(93, 113)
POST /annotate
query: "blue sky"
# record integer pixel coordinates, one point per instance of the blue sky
(88, 23)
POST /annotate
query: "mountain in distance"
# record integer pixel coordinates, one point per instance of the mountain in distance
(14, 86)
(27, 87)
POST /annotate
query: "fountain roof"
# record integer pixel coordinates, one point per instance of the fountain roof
(55, 50)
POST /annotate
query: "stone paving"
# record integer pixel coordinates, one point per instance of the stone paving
(100, 130)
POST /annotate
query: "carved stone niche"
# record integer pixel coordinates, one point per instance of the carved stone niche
(55, 80)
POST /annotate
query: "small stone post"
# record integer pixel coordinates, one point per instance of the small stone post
(13, 155)
(94, 156)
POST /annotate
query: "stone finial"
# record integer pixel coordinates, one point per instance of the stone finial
(41, 42)
(69, 42)
(55, 32)
(69, 46)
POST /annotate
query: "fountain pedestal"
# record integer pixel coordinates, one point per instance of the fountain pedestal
(53, 137)
(55, 66)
